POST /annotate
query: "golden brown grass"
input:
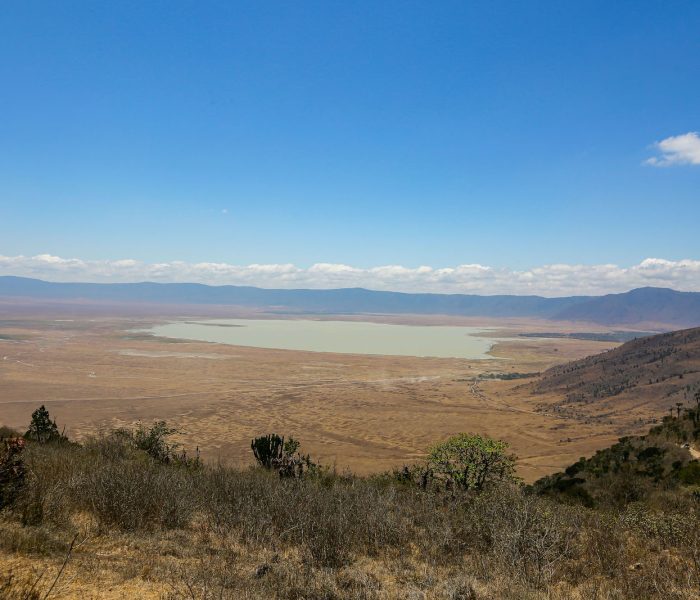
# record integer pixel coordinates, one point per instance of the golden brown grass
(366, 413)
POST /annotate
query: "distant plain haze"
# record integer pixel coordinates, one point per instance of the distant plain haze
(482, 147)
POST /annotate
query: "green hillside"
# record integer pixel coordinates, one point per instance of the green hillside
(636, 469)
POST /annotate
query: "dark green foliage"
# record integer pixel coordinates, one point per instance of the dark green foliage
(291, 446)
(12, 470)
(273, 452)
(155, 442)
(508, 376)
(650, 453)
(42, 429)
(690, 474)
(570, 489)
(632, 470)
(267, 449)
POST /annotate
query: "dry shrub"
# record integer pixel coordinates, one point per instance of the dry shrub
(668, 528)
(45, 497)
(498, 543)
(604, 548)
(33, 584)
(136, 496)
(529, 537)
(204, 579)
(331, 519)
(15, 538)
(458, 588)
(119, 486)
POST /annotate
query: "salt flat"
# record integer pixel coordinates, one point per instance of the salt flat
(344, 337)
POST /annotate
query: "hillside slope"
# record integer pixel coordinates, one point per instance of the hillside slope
(647, 374)
(635, 469)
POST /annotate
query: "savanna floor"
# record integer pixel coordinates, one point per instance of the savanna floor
(361, 412)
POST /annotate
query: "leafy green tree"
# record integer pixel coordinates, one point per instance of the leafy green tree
(42, 429)
(470, 461)
(154, 440)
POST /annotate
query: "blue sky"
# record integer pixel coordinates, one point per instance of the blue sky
(511, 135)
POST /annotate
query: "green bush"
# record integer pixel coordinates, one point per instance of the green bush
(273, 452)
(690, 474)
(471, 461)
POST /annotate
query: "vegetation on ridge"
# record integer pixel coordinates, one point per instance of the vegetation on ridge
(636, 468)
(127, 508)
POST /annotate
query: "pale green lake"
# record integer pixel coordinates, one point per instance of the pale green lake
(347, 337)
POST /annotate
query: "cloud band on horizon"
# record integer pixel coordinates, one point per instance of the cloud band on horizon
(547, 280)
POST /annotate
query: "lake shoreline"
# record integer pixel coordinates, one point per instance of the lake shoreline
(339, 337)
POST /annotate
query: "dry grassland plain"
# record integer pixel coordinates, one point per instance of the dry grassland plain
(359, 412)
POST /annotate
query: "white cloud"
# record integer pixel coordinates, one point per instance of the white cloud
(677, 150)
(547, 280)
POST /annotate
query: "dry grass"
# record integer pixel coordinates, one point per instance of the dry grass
(152, 530)
(366, 413)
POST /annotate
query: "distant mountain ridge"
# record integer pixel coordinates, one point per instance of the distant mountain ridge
(650, 305)
(642, 304)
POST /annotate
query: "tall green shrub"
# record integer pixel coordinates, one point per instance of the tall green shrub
(42, 429)
(470, 461)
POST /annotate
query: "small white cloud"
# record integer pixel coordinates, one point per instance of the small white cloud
(331, 268)
(677, 150)
(127, 262)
